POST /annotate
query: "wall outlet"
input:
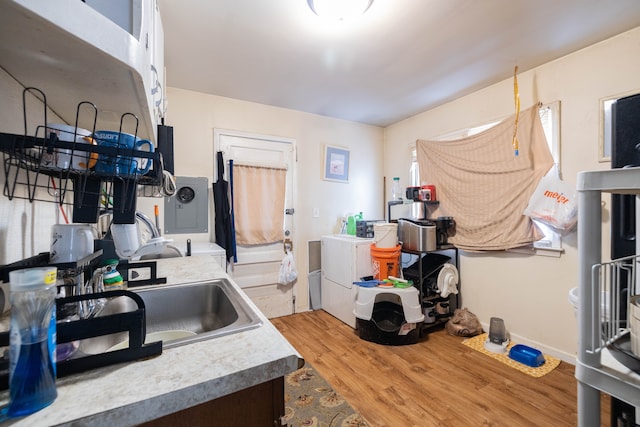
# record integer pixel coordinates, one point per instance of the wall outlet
(316, 212)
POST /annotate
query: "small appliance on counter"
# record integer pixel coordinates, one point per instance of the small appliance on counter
(413, 193)
(425, 235)
(425, 193)
(417, 235)
(417, 230)
(445, 227)
(416, 204)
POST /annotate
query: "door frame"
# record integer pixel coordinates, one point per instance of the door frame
(217, 133)
(247, 276)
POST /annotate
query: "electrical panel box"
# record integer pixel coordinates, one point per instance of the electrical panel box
(187, 211)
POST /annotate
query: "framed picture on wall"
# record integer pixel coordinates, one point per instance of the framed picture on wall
(336, 164)
(606, 125)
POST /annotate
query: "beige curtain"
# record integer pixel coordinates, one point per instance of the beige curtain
(258, 204)
(484, 186)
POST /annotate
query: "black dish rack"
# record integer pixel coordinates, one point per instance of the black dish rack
(132, 322)
(28, 176)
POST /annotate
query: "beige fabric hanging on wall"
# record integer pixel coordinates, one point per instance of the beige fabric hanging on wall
(258, 198)
(484, 186)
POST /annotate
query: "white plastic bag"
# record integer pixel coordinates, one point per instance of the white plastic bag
(288, 272)
(554, 203)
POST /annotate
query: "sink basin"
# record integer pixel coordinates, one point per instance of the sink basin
(170, 251)
(207, 309)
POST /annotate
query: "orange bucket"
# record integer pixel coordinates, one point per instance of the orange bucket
(385, 261)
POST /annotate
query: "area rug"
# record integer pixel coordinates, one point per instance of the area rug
(311, 402)
(477, 343)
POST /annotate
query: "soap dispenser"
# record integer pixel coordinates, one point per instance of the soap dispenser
(32, 359)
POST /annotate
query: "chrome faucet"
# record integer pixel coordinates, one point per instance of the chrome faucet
(137, 248)
(147, 221)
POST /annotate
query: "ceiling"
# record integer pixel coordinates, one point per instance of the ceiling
(401, 58)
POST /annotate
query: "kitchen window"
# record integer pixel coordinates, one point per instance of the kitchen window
(551, 243)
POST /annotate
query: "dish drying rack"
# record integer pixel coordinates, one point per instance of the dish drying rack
(603, 363)
(29, 176)
(613, 284)
(133, 322)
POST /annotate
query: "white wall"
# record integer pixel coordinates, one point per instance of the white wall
(24, 227)
(194, 117)
(530, 292)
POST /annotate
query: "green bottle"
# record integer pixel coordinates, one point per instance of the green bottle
(352, 222)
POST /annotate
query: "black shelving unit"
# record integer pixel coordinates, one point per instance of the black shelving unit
(24, 170)
(424, 279)
(428, 204)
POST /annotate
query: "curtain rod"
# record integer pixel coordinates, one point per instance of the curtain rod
(248, 165)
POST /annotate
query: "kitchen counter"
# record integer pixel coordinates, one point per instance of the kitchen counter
(181, 377)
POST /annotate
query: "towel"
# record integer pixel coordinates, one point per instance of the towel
(485, 186)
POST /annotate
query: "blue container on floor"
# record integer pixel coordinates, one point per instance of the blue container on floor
(526, 355)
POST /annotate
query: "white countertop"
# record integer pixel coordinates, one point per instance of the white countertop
(181, 377)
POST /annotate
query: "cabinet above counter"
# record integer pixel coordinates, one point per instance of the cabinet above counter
(73, 53)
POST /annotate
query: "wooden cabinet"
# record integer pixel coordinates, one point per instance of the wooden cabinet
(259, 406)
(74, 52)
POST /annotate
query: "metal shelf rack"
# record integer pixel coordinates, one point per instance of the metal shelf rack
(421, 283)
(29, 176)
(597, 368)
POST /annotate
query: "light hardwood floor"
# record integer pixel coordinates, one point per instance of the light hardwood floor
(436, 382)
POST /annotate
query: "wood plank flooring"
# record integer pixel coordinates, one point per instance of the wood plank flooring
(436, 382)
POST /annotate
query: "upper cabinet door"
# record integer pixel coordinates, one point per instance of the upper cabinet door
(73, 52)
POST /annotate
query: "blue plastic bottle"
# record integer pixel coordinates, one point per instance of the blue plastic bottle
(32, 363)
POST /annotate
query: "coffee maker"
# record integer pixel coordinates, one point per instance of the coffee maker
(419, 196)
(422, 199)
(445, 227)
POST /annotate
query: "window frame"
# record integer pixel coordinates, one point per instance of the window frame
(552, 242)
(551, 245)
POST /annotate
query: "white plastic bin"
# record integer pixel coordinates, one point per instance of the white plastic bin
(385, 234)
(604, 302)
(315, 296)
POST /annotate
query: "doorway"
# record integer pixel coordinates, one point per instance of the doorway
(257, 267)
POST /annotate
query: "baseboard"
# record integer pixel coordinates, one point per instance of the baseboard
(551, 351)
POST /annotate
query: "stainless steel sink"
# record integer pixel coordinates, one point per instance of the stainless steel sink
(209, 309)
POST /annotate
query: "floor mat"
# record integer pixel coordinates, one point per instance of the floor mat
(477, 343)
(311, 401)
